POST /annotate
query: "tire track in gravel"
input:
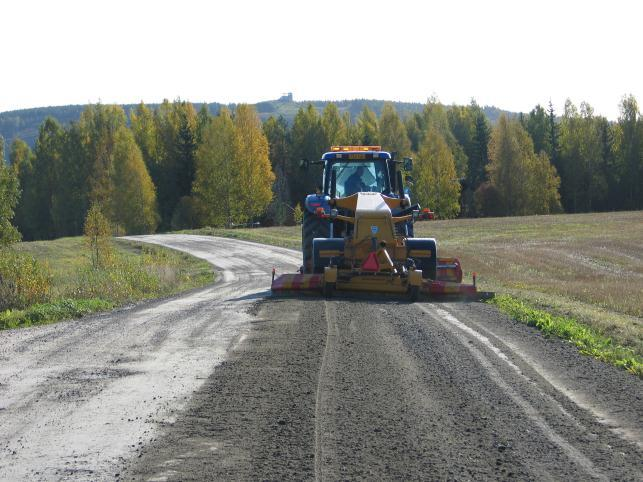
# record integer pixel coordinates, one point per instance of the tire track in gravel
(330, 335)
(572, 452)
(406, 393)
(613, 397)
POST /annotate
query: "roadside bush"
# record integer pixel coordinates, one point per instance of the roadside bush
(98, 237)
(122, 280)
(154, 273)
(23, 280)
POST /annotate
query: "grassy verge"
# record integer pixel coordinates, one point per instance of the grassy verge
(45, 313)
(586, 339)
(585, 267)
(138, 271)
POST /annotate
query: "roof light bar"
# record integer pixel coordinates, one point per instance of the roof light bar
(355, 148)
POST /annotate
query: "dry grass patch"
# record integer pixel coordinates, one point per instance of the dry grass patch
(587, 266)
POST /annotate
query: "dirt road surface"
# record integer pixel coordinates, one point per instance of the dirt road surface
(222, 384)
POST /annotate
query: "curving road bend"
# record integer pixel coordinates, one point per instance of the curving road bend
(79, 398)
(222, 384)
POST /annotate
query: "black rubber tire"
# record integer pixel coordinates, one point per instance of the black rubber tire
(328, 290)
(312, 227)
(414, 293)
(429, 267)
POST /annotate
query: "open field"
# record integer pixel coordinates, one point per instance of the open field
(138, 272)
(586, 266)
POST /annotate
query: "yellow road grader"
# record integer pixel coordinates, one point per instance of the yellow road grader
(357, 234)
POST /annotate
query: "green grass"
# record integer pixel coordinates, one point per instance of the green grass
(587, 340)
(139, 272)
(585, 267)
(45, 313)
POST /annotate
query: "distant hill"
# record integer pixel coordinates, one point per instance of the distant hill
(24, 123)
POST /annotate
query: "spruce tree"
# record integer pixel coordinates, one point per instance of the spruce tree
(553, 137)
(176, 126)
(308, 142)
(537, 124)
(276, 132)
(70, 199)
(39, 193)
(480, 155)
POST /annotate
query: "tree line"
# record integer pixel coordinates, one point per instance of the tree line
(24, 123)
(173, 167)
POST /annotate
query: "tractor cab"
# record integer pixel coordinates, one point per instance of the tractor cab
(352, 169)
(355, 169)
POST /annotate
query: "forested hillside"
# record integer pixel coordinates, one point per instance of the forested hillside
(175, 166)
(24, 123)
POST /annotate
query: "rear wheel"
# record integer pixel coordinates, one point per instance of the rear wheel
(414, 293)
(429, 267)
(328, 289)
(311, 228)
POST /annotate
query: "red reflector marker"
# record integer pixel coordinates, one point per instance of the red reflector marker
(371, 263)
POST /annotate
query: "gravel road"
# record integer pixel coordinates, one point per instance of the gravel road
(79, 398)
(222, 384)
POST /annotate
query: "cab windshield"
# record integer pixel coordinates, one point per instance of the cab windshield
(352, 177)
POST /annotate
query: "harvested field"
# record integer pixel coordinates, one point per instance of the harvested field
(589, 266)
